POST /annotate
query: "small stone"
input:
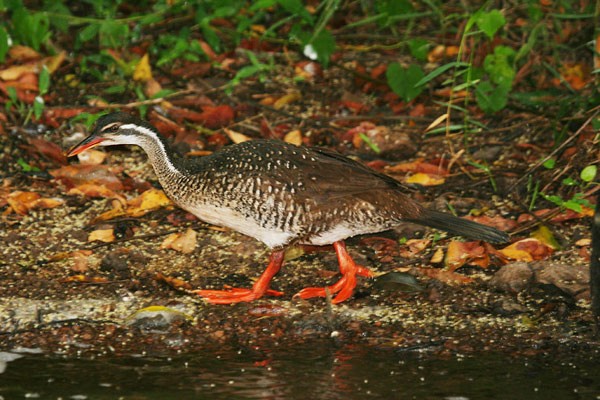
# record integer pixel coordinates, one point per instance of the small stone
(512, 278)
(571, 279)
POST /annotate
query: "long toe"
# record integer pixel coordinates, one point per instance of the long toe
(233, 295)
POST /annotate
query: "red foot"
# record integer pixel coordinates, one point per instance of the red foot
(345, 286)
(234, 295)
(259, 289)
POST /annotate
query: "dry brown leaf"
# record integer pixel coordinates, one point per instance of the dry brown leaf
(445, 276)
(21, 202)
(182, 242)
(236, 137)
(461, 253)
(80, 260)
(92, 190)
(78, 174)
(175, 283)
(22, 53)
(436, 122)
(102, 235)
(437, 257)
(85, 279)
(91, 157)
(419, 166)
(412, 247)
(529, 249)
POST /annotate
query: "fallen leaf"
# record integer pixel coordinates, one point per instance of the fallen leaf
(308, 69)
(529, 249)
(544, 235)
(21, 53)
(293, 137)
(148, 201)
(80, 260)
(92, 190)
(151, 88)
(91, 157)
(461, 253)
(102, 235)
(77, 174)
(143, 71)
(412, 247)
(84, 279)
(424, 179)
(419, 166)
(22, 202)
(437, 257)
(175, 283)
(286, 99)
(236, 137)
(182, 242)
(445, 276)
(436, 122)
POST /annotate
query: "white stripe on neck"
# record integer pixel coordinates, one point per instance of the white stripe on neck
(154, 137)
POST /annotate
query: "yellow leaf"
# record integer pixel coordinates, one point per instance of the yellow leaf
(425, 179)
(286, 99)
(544, 235)
(236, 137)
(293, 137)
(143, 72)
(148, 201)
(52, 63)
(102, 235)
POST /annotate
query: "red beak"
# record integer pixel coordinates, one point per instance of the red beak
(87, 143)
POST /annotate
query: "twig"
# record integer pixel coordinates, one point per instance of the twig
(556, 151)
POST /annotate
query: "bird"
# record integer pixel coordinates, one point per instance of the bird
(281, 195)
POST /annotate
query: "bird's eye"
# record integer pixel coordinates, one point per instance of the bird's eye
(114, 128)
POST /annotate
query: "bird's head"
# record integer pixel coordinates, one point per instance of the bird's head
(114, 129)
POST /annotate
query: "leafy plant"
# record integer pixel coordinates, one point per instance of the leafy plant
(405, 82)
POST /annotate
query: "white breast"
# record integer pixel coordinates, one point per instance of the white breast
(231, 219)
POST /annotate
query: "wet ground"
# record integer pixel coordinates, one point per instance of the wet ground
(319, 370)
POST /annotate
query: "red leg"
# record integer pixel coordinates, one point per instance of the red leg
(260, 287)
(345, 286)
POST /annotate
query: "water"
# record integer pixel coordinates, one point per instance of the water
(312, 371)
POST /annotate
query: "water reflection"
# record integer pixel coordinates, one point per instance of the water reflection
(319, 370)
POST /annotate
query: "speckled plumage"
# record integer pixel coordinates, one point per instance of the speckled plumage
(279, 193)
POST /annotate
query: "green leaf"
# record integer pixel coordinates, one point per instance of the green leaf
(588, 173)
(500, 66)
(321, 47)
(113, 34)
(491, 98)
(4, 43)
(44, 81)
(38, 107)
(549, 163)
(440, 70)
(369, 142)
(419, 48)
(89, 32)
(490, 22)
(26, 167)
(295, 7)
(569, 182)
(404, 82)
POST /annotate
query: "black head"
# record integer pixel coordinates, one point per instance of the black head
(114, 129)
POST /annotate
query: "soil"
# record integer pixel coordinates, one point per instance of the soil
(49, 301)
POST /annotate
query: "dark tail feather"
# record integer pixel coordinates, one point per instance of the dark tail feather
(460, 226)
